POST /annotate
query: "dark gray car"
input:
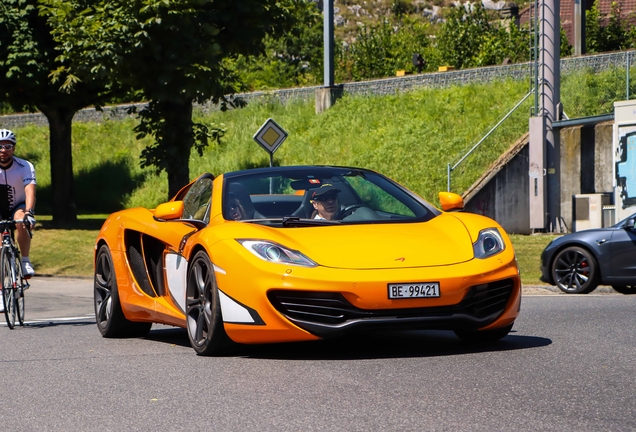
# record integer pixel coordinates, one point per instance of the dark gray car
(578, 262)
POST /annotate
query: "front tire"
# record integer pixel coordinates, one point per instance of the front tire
(19, 305)
(110, 318)
(8, 293)
(625, 289)
(575, 271)
(203, 308)
(484, 336)
(19, 293)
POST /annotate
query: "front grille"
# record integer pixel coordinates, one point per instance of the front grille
(325, 313)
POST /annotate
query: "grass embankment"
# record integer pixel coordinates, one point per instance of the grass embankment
(410, 137)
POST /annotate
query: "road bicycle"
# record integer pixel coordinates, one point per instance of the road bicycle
(13, 282)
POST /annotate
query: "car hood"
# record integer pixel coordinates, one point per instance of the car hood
(441, 241)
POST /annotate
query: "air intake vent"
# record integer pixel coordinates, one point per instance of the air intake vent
(325, 313)
(136, 261)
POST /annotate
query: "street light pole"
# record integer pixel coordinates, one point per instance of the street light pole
(328, 41)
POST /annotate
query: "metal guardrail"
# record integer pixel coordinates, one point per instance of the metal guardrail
(450, 169)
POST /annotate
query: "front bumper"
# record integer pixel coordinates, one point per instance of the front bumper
(361, 297)
(327, 314)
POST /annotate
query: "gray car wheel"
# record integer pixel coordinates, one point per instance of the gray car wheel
(111, 321)
(625, 289)
(575, 271)
(203, 308)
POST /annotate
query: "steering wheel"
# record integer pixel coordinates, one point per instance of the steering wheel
(349, 210)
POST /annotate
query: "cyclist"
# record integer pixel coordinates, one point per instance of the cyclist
(17, 194)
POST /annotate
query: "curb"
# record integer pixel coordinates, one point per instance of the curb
(553, 290)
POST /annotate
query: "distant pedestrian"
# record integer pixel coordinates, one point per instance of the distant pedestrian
(419, 62)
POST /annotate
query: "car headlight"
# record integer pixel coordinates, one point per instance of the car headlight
(276, 253)
(488, 244)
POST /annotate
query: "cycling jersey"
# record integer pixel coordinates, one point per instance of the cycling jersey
(13, 180)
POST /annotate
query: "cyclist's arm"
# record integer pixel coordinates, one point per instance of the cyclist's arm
(29, 191)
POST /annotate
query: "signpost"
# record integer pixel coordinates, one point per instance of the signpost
(270, 136)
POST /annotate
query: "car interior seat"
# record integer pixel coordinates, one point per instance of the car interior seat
(306, 209)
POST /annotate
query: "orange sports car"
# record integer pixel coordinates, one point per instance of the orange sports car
(303, 253)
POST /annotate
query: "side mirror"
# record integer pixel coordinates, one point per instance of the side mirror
(169, 211)
(451, 201)
(629, 224)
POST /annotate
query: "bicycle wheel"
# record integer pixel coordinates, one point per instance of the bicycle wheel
(8, 293)
(19, 292)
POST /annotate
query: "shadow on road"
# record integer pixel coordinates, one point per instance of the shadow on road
(421, 343)
(32, 325)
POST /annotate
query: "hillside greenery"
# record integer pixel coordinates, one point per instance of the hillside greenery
(411, 137)
(376, 39)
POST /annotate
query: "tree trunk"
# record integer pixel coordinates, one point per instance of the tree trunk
(61, 157)
(178, 141)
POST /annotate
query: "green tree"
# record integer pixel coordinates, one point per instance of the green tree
(472, 38)
(566, 48)
(608, 33)
(27, 59)
(615, 33)
(173, 52)
(294, 59)
(462, 35)
(380, 50)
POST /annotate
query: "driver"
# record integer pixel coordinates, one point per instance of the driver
(325, 202)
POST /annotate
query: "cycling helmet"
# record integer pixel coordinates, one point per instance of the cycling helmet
(7, 135)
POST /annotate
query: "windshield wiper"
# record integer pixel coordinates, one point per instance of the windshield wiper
(293, 221)
(296, 221)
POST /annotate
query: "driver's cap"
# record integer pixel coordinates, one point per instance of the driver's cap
(325, 189)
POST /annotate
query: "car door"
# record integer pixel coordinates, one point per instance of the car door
(623, 250)
(154, 251)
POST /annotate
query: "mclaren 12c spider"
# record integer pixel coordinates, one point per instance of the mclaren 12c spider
(303, 253)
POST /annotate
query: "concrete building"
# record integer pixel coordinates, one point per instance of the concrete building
(594, 160)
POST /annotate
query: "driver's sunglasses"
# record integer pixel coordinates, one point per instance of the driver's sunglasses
(6, 146)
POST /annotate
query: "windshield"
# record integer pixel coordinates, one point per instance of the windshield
(319, 195)
(622, 223)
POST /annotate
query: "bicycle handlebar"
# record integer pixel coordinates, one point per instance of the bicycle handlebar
(13, 222)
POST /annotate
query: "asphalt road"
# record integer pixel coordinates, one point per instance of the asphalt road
(568, 365)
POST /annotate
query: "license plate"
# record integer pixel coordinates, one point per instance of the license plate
(414, 290)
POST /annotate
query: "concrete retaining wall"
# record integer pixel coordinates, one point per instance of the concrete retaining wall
(586, 167)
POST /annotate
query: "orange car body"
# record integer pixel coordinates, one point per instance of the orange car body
(150, 256)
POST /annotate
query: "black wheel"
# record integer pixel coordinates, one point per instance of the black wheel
(575, 271)
(19, 303)
(8, 293)
(203, 308)
(625, 289)
(485, 336)
(348, 210)
(19, 293)
(111, 321)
